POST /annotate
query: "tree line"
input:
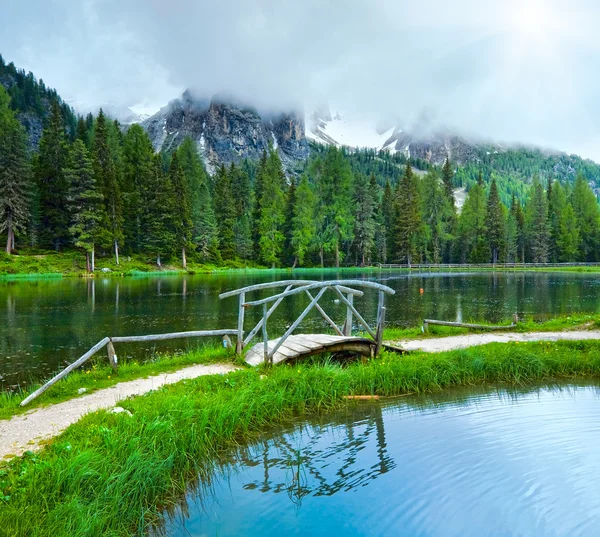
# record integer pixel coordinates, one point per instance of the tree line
(105, 190)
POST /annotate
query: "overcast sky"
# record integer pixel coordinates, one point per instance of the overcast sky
(515, 71)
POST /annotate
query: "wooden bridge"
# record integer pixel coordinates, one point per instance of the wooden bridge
(292, 346)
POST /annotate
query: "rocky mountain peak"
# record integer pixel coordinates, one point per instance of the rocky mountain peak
(227, 131)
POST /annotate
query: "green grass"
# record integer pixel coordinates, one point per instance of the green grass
(577, 321)
(100, 375)
(113, 475)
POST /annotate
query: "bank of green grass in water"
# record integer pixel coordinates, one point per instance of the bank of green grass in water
(99, 375)
(113, 475)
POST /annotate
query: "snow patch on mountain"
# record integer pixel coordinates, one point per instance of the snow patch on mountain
(346, 129)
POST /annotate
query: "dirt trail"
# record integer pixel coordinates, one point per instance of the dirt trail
(26, 431)
(471, 340)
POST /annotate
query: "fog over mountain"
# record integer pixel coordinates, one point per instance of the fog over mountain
(513, 71)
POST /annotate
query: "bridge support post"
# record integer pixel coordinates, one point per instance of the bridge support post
(239, 345)
(265, 336)
(348, 323)
(379, 334)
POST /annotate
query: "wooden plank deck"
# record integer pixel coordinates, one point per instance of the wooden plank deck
(302, 345)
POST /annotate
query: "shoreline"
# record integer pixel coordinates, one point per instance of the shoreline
(172, 436)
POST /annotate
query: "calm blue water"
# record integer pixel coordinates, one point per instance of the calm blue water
(468, 465)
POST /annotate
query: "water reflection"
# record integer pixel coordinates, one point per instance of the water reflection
(46, 324)
(468, 464)
(302, 464)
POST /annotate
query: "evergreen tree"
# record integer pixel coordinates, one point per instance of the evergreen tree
(365, 204)
(52, 187)
(472, 244)
(85, 202)
(334, 198)
(15, 174)
(157, 218)
(272, 207)
(138, 156)
(435, 208)
(511, 237)
(226, 214)
(408, 224)
(303, 221)
(181, 209)
(568, 239)
(494, 222)
(557, 202)
(585, 205)
(447, 179)
(537, 228)
(243, 201)
(386, 224)
(290, 204)
(107, 180)
(518, 216)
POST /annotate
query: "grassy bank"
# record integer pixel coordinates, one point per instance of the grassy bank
(100, 375)
(114, 474)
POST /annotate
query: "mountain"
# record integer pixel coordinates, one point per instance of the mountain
(227, 131)
(126, 115)
(32, 100)
(422, 143)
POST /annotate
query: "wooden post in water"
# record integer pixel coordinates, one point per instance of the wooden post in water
(112, 356)
(348, 323)
(265, 336)
(239, 345)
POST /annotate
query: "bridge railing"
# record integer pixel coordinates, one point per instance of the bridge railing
(344, 290)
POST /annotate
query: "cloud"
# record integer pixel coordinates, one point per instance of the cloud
(516, 70)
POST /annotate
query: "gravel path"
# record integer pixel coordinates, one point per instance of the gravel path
(462, 342)
(27, 431)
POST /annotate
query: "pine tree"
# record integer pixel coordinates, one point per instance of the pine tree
(557, 202)
(365, 205)
(386, 224)
(434, 210)
(51, 184)
(290, 204)
(494, 222)
(157, 218)
(472, 245)
(407, 209)
(15, 174)
(334, 182)
(511, 237)
(585, 205)
(447, 179)
(226, 214)
(537, 228)
(303, 221)
(272, 207)
(138, 156)
(107, 180)
(181, 209)
(568, 239)
(518, 215)
(85, 202)
(244, 201)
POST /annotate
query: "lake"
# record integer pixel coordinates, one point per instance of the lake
(48, 323)
(463, 464)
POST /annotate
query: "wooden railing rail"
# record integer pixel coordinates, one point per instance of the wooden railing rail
(108, 342)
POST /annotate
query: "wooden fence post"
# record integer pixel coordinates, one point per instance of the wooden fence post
(239, 345)
(348, 323)
(112, 356)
